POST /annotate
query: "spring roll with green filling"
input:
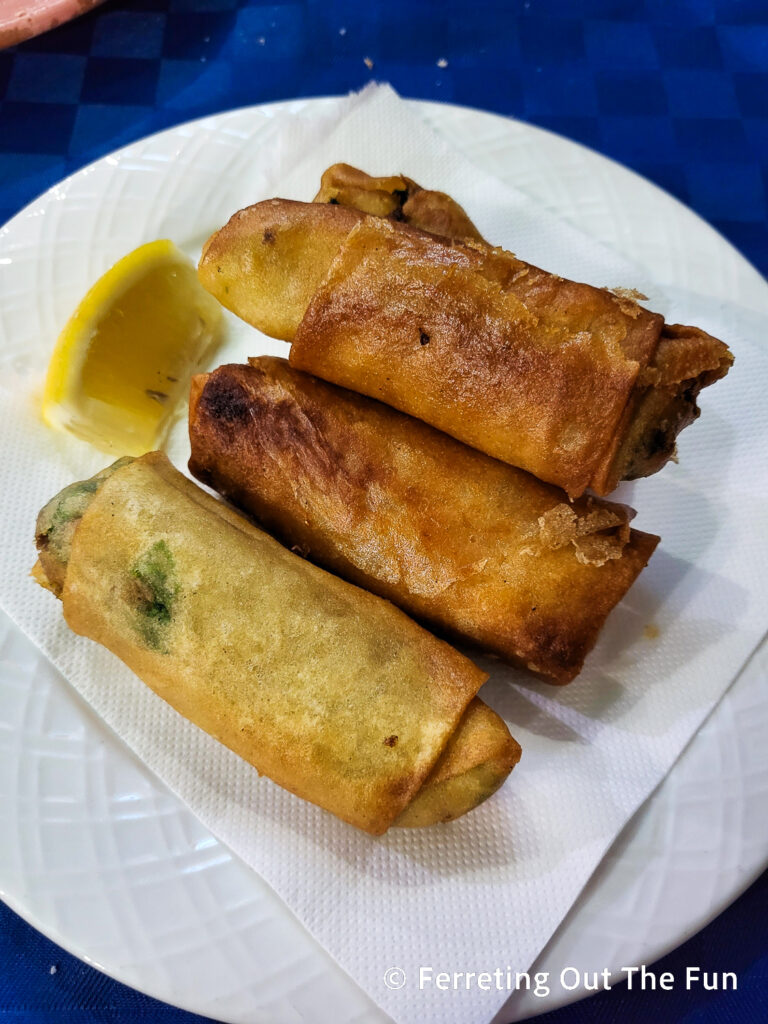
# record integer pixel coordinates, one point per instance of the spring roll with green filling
(331, 692)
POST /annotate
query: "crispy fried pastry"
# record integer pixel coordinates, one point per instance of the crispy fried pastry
(333, 693)
(480, 550)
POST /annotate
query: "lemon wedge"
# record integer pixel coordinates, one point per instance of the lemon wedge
(125, 357)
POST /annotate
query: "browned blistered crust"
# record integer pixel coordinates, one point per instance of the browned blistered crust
(663, 403)
(527, 367)
(481, 550)
(397, 197)
(542, 373)
(299, 673)
(579, 385)
(344, 185)
(269, 259)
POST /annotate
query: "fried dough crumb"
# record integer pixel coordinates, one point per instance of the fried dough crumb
(561, 526)
(629, 293)
(627, 299)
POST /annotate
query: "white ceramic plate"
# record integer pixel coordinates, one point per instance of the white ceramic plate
(96, 852)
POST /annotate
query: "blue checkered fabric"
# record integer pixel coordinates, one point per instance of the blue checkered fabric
(675, 89)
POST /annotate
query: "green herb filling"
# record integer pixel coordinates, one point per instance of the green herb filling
(158, 588)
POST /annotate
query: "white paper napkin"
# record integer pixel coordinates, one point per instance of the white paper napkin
(487, 891)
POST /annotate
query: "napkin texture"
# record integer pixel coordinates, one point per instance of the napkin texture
(485, 892)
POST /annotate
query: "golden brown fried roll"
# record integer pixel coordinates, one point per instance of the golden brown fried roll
(331, 692)
(479, 549)
(558, 378)
(581, 387)
(269, 260)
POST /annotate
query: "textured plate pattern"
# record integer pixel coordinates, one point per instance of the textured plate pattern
(113, 867)
(154, 899)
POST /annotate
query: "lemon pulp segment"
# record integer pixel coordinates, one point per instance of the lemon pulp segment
(125, 357)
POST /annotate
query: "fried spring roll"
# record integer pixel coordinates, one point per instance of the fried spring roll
(558, 378)
(481, 550)
(331, 692)
(580, 386)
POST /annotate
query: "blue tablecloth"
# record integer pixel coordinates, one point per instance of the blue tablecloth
(675, 89)
(77, 994)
